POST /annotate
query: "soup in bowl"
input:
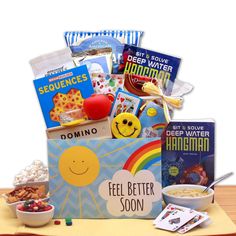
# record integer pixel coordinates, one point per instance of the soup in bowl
(188, 195)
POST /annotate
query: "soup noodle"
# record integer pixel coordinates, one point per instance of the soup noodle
(187, 192)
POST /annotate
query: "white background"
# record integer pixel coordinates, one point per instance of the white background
(202, 33)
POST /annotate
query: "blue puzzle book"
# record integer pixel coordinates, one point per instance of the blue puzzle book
(140, 61)
(188, 152)
(62, 92)
(106, 178)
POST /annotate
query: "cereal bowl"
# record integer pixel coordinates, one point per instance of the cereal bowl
(35, 219)
(188, 195)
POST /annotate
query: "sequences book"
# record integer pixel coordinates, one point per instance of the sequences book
(62, 92)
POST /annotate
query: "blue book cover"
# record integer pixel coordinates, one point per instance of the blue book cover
(140, 61)
(62, 92)
(188, 153)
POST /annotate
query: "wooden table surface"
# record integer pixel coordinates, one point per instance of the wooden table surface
(226, 197)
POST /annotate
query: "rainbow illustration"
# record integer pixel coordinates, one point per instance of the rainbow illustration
(144, 157)
(159, 126)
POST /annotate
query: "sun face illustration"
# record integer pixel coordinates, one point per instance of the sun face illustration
(79, 166)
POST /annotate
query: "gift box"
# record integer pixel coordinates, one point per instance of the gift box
(104, 167)
(105, 178)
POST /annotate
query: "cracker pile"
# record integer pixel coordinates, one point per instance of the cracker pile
(25, 193)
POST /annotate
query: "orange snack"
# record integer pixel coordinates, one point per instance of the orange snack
(25, 193)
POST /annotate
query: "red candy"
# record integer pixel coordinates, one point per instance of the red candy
(57, 222)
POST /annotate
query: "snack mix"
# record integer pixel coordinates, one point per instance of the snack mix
(25, 193)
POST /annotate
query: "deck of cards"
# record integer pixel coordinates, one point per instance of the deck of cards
(181, 219)
(125, 102)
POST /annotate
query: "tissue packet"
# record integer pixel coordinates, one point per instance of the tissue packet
(52, 63)
(152, 120)
(80, 41)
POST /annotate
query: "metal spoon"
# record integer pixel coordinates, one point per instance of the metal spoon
(218, 180)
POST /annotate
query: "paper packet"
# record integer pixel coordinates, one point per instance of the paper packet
(52, 63)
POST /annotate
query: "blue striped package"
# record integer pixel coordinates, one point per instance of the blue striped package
(79, 41)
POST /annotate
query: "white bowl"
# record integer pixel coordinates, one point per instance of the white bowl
(197, 203)
(35, 219)
(13, 205)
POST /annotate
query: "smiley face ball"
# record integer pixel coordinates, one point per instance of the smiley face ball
(79, 166)
(126, 125)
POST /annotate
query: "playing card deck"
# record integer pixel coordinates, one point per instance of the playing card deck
(125, 102)
(178, 218)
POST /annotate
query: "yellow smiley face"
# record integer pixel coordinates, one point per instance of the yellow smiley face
(79, 166)
(126, 125)
(151, 112)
